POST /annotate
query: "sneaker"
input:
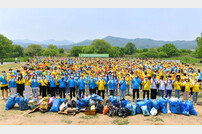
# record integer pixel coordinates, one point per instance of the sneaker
(6, 98)
(2, 98)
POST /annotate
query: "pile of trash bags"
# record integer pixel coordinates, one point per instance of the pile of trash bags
(113, 106)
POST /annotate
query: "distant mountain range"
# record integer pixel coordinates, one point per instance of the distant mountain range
(114, 41)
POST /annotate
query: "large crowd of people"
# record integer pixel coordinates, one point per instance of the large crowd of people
(63, 77)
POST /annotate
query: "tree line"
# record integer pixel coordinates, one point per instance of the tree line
(98, 46)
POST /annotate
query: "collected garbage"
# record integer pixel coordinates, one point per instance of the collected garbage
(113, 106)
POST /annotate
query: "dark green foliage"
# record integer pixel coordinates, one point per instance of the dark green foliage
(130, 48)
(33, 50)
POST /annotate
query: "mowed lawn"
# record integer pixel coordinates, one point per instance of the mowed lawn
(17, 117)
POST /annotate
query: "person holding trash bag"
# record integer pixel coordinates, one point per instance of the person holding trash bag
(112, 85)
(62, 85)
(101, 89)
(122, 88)
(20, 84)
(44, 83)
(72, 84)
(136, 86)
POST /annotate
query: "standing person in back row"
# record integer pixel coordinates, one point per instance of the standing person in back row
(112, 85)
(146, 86)
(101, 89)
(123, 85)
(162, 87)
(62, 86)
(20, 84)
(81, 84)
(136, 86)
(72, 84)
(168, 84)
(153, 86)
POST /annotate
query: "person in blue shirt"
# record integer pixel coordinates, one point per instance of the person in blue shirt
(72, 84)
(122, 88)
(81, 84)
(52, 82)
(4, 84)
(67, 87)
(13, 85)
(91, 83)
(112, 85)
(136, 86)
(62, 86)
(96, 86)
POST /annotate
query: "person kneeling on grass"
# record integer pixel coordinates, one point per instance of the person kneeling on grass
(196, 86)
(146, 86)
(81, 84)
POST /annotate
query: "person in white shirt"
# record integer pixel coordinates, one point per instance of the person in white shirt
(168, 84)
(161, 87)
(153, 87)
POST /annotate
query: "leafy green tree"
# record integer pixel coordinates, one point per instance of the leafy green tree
(51, 46)
(88, 49)
(76, 50)
(170, 50)
(145, 49)
(61, 50)
(162, 55)
(100, 46)
(33, 50)
(5, 46)
(130, 48)
(116, 52)
(17, 51)
(50, 52)
(199, 44)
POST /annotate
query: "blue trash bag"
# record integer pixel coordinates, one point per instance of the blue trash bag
(175, 106)
(148, 103)
(85, 101)
(56, 105)
(129, 106)
(134, 110)
(22, 103)
(10, 103)
(79, 104)
(155, 104)
(138, 105)
(163, 105)
(96, 97)
(145, 111)
(192, 111)
(124, 103)
(185, 109)
(114, 100)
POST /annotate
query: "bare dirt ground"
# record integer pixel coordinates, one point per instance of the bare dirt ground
(17, 117)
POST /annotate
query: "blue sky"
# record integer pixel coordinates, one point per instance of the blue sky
(77, 24)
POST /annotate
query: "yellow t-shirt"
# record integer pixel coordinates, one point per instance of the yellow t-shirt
(196, 87)
(147, 85)
(177, 85)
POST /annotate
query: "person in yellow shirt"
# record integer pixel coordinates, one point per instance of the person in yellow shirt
(196, 87)
(44, 83)
(187, 85)
(146, 86)
(20, 84)
(177, 86)
(101, 83)
(27, 86)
